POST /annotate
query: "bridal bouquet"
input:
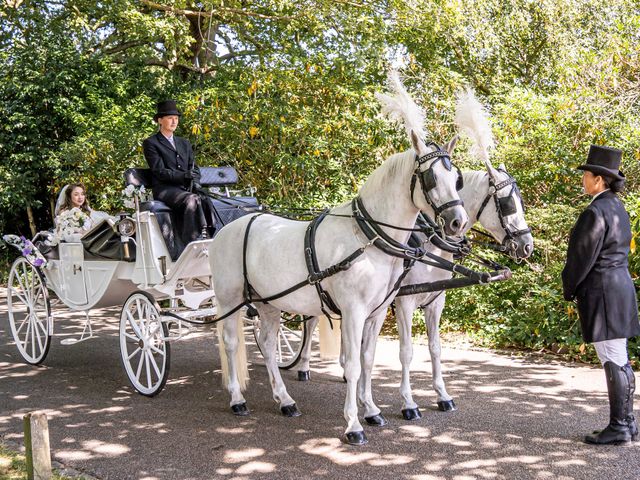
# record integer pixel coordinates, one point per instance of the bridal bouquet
(70, 225)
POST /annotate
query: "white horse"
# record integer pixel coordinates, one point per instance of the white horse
(516, 240)
(257, 257)
(490, 197)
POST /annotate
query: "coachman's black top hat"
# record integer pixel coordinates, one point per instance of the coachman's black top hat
(604, 161)
(166, 107)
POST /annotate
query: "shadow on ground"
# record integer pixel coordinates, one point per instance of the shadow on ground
(516, 418)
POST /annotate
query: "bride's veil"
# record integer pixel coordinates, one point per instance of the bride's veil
(60, 201)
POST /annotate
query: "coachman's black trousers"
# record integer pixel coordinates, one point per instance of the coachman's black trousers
(191, 212)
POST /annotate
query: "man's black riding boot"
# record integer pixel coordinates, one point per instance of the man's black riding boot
(621, 421)
(631, 419)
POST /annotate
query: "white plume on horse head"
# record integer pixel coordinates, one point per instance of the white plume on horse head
(473, 120)
(400, 107)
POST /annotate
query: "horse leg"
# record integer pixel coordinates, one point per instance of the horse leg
(372, 328)
(404, 317)
(304, 372)
(352, 328)
(233, 365)
(432, 315)
(268, 338)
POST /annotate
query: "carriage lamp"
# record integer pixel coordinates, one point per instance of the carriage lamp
(127, 227)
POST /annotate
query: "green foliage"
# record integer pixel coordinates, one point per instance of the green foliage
(283, 90)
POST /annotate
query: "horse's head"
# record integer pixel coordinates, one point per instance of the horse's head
(502, 214)
(435, 185)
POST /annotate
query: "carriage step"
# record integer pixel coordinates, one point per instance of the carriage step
(73, 341)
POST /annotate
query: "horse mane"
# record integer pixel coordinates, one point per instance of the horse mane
(398, 165)
(400, 107)
(473, 119)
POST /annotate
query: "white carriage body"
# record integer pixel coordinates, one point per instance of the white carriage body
(85, 283)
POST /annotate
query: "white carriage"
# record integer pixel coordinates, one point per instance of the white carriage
(136, 262)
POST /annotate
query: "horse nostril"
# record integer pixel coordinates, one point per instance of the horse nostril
(528, 248)
(455, 225)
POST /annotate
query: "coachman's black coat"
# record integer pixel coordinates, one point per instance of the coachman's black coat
(597, 271)
(171, 183)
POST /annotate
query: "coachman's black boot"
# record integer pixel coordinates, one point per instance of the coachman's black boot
(622, 426)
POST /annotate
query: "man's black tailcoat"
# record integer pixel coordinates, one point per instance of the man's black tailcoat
(170, 184)
(597, 271)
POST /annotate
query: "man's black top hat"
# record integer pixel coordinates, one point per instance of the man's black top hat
(604, 161)
(166, 107)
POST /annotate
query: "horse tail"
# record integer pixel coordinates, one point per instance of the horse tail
(242, 365)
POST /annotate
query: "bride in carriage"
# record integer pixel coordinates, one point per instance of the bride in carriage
(73, 215)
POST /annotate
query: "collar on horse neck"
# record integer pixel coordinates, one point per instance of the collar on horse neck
(380, 239)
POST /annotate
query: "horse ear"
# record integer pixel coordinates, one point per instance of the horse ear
(452, 144)
(502, 167)
(418, 145)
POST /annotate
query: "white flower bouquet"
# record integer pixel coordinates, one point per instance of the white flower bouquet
(70, 226)
(130, 193)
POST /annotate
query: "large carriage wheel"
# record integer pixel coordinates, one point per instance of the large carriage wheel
(29, 311)
(292, 337)
(144, 348)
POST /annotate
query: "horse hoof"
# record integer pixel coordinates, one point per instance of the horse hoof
(446, 406)
(355, 438)
(290, 410)
(240, 409)
(411, 413)
(376, 420)
(304, 376)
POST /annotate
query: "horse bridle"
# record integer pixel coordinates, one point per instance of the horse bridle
(428, 179)
(505, 206)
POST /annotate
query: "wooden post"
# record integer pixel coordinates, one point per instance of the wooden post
(36, 441)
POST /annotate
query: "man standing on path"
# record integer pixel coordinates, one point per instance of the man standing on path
(597, 276)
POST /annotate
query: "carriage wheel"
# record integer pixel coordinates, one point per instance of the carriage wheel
(292, 337)
(143, 346)
(29, 311)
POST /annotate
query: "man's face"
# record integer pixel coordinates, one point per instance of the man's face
(168, 123)
(591, 184)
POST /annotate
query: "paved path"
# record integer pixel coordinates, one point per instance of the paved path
(518, 417)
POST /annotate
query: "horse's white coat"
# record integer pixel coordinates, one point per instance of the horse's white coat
(275, 262)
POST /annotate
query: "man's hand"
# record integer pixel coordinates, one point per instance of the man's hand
(190, 175)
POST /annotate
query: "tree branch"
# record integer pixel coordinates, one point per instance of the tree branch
(219, 11)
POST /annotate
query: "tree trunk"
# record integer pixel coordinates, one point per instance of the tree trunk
(32, 222)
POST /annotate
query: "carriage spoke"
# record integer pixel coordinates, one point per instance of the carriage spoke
(139, 371)
(15, 291)
(134, 325)
(28, 332)
(286, 341)
(148, 370)
(33, 340)
(22, 324)
(157, 350)
(131, 337)
(138, 349)
(37, 334)
(24, 290)
(155, 366)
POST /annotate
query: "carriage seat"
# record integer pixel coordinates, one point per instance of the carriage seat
(225, 210)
